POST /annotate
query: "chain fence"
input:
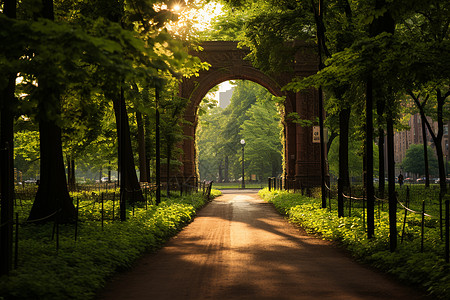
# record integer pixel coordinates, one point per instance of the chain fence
(100, 205)
(353, 202)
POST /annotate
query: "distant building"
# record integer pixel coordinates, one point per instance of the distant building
(225, 97)
(403, 139)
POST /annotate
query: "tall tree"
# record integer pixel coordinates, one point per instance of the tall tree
(381, 105)
(171, 131)
(143, 175)
(52, 198)
(380, 24)
(426, 35)
(129, 184)
(7, 113)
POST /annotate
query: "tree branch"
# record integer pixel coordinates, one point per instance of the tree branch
(422, 113)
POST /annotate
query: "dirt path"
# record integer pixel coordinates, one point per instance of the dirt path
(239, 247)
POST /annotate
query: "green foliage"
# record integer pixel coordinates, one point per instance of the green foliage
(355, 158)
(414, 161)
(427, 269)
(262, 135)
(270, 29)
(226, 27)
(85, 57)
(80, 268)
(252, 115)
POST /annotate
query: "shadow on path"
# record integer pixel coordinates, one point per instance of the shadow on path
(239, 247)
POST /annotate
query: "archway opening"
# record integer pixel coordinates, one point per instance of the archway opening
(239, 135)
(227, 62)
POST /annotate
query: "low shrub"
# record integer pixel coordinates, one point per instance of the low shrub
(77, 269)
(428, 269)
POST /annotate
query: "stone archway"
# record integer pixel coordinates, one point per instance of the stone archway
(302, 156)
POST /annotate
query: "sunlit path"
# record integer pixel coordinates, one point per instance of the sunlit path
(239, 247)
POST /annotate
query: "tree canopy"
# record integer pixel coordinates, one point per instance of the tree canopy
(414, 160)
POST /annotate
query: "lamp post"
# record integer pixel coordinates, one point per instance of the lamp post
(243, 173)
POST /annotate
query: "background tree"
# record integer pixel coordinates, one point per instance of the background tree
(425, 33)
(355, 158)
(262, 135)
(414, 161)
(211, 163)
(251, 115)
(171, 131)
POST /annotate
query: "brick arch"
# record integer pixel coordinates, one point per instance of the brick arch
(227, 62)
(215, 77)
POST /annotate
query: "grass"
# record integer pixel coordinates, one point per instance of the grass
(77, 269)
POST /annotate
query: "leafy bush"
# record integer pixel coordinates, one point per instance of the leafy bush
(79, 268)
(427, 269)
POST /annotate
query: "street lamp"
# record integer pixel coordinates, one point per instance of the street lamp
(243, 173)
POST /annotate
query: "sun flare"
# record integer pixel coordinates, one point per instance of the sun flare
(194, 16)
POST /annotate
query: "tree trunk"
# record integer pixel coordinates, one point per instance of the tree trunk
(381, 172)
(169, 153)
(344, 180)
(437, 138)
(425, 154)
(391, 185)
(383, 23)
(225, 171)
(321, 47)
(157, 150)
(129, 184)
(74, 180)
(143, 176)
(52, 198)
(7, 174)
(331, 138)
(148, 147)
(220, 179)
(438, 141)
(370, 197)
(7, 162)
(71, 174)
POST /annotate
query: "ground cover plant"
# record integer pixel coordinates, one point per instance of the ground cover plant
(60, 267)
(426, 269)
